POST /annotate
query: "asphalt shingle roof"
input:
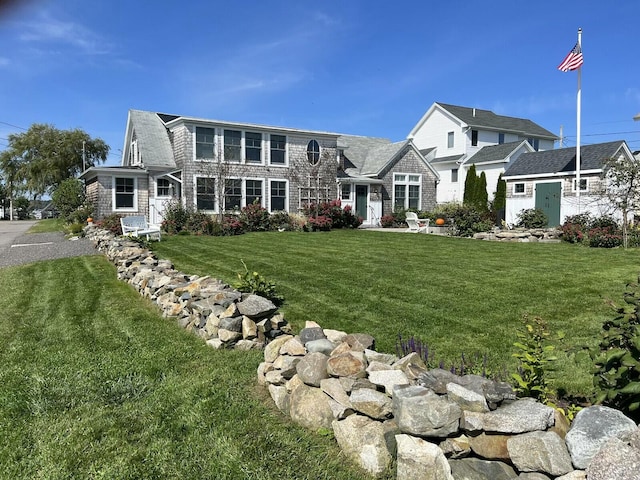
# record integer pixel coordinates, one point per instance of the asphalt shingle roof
(488, 119)
(492, 153)
(450, 158)
(563, 159)
(153, 140)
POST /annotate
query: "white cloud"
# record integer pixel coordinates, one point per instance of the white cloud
(52, 31)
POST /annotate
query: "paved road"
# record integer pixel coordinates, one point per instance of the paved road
(18, 247)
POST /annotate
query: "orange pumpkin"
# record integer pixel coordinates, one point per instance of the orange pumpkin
(89, 220)
(440, 222)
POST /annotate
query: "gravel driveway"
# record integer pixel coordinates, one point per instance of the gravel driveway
(18, 247)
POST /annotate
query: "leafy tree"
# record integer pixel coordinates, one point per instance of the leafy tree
(482, 198)
(500, 200)
(68, 197)
(621, 188)
(13, 184)
(470, 187)
(38, 160)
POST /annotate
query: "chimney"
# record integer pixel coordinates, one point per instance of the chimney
(474, 111)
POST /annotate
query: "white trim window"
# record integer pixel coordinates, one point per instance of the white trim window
(205, 143)
(232, 145)
(407, 189)
(584, 185)
(252, 147)
(253, 191)
(278, 150)
(454, 175)
(278, 196)
(232, 194)
(163, 187)
(205, 197)
(313, 152)
(345, 192)
(450, 138)
(125, 194)
(519, 188)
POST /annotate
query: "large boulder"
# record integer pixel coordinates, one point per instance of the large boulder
(419, 411)
(540, 452)
(477, 469)
(467, 399)
(348, 364)
(421, 460)
(615, 460)
(388, 379)
(256, 307)
(366, 442)
(312, 368)
(372, 403)
(309, 407)
(591, 429)
(521, 416)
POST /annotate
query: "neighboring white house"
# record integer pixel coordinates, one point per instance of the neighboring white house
(547, 180)
(452, 138)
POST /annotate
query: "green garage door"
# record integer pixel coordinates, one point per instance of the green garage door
(548, 200)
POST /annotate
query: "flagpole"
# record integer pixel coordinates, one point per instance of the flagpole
(579, 98)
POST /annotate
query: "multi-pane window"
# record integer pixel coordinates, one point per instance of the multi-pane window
(253, 192)
(450, 140)
(205, 142)
(474, 138)
(125, 192)
(454, 175)
(518, 188)
(163, 188)
(278, 195)
(253, 147)
(205, 193)
(232, 145)
(346, 191)
(583, 185)
(500, 138)
(232, 194)
(278, 149)
(406, 191)
(313, 152)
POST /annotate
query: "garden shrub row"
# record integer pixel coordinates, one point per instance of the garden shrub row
(182, 220)
(599, 232)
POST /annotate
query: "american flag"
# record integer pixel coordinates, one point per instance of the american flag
(573, 61)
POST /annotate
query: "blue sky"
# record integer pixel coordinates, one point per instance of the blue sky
(363, 67)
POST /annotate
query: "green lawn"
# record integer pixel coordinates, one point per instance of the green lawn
(457, 295)
(94, 384)
(48, 225)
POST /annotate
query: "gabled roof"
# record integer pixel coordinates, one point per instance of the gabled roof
(497, 153)
(564, 159)
(448, 159)
(487, 120)
(153, 140)
(370, 156)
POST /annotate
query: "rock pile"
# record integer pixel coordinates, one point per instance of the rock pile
(435, 424)
(545, 235)
(222, 316)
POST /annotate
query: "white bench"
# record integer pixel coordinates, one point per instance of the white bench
(136, 225)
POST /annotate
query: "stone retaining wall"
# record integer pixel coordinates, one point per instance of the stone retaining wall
(386, 411)
(222, 316)
(434, 424)
(545, 235)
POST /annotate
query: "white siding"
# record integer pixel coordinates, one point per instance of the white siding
(433, 133)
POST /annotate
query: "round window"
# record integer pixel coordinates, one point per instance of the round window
(313, 152)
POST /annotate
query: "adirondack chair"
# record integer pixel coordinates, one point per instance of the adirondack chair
(416, 225)
(136, 225)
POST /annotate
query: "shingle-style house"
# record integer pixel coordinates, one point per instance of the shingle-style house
(393, 176)
(547, 180)
(452, 138)
(217, 166)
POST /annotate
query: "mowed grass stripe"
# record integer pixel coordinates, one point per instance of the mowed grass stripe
(97, 385)
(457, 295)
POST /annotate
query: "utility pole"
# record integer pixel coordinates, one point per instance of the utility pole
(561, 136)
(84, 156)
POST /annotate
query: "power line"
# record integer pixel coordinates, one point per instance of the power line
(14, 126)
